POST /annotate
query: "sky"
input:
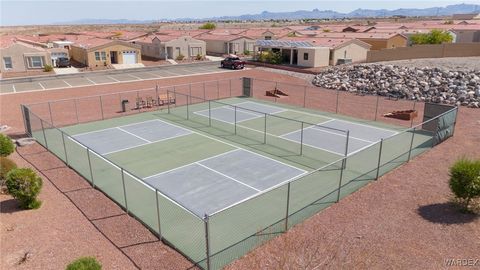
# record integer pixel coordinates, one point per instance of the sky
(20, 12)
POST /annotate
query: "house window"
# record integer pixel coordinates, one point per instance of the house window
(305, 56)
(104, 56)
(35, 62)
(196, 51)
(268, 37)
(7, 61)
(97, 56)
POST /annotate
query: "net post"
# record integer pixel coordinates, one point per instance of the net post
(124, 189)
(304, 96)
(235, 119)
(76, 109)
(209, 113)
(336, 106)
(265, 130)
(43, 130)
(207, 241)
(411, 145)
(50, 112)
(288, 205)
(90, 166)
(376, 107)
(379, 159)
(101, 107)
(158, 216)
(301, 139)
(414, 105)
(64, 147)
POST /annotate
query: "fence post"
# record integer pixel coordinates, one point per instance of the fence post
(157, 97)
(76, 109)
(304, 96)
(90, 166)
(274, 92)
(209, 114)
(301, 140)
(158, 216)
(168, 101)
(265, 130)
(124, 189)
(64, 148)
(340, 180)
(101, 107)
(336, 106)
(188, 101)
(218, 91)
(190, 89)
(411, 144)
(346, 146)
(230, 83)
(137, 101)
(376, 107)
(43, 130)
(50, 111)
(207, 242)
(288, 204)
(204, 92)
(379, 158)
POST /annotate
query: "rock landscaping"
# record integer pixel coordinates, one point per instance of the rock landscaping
(438, 85)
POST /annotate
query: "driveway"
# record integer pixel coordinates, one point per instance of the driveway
(22, 85)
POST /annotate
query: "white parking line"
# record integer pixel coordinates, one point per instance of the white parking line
(138, 78)
(112, 78)
(90, 81)
(67, 83)
(14, 90)
(41, 85)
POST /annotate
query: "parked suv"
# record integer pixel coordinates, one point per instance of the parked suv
(63, 62)
(232, 62)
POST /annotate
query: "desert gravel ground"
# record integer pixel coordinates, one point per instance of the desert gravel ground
(453, 63)
(401, 221)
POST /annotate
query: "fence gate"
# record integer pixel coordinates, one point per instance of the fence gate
(443, 126)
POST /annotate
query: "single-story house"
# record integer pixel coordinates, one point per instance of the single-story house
(298, 53)
(227, 44)
(380, 40)
(266, 33)
(170, 46)
(470, 16)
(341, 50)
(20, 57)
(95, 52)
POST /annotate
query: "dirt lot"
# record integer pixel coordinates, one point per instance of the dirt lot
(402, 221)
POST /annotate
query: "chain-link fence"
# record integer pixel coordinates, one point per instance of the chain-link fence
(216, 239)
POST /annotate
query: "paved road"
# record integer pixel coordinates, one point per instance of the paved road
(12, 86)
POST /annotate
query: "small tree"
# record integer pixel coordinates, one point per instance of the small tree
(433, 37)
(180, 57)
(208, 26)
(84, 263)
(6, 146)
(465, 181)
(24, 185)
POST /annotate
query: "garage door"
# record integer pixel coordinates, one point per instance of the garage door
(129, 57)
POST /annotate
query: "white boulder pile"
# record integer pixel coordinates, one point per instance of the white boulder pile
(438, 85)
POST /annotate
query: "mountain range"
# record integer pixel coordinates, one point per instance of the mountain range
(309, 14)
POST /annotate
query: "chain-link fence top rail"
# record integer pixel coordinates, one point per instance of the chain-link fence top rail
(215, 240)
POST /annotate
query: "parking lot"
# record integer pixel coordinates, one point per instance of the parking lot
(99, 78)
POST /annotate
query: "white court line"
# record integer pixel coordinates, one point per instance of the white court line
(41, 85)
(342, 135)
(191, 163)
(261, 104)
(226, 107)
(224, 175)
(67, 83)
(297, 130)
(128, 132)
(131, 124)
(88, 79)
(14, 90)
(112, 78)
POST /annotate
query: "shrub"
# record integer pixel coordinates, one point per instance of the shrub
(6, 146)
(24, 184)
(433, 37)
(465, 181)
(208, 25)
(6, 165)
(47, 68)
(199, 57)
(180, 57)
(84, 263)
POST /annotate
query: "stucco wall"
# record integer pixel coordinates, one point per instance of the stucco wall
(353, 51)
(426, 51)
(19, 62)
(185, 44)
(87, 57)
(317, 57)
(393, 42)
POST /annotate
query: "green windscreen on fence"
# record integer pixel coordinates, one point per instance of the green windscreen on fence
(78, 157)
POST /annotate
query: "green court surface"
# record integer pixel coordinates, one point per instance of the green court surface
(323, 174)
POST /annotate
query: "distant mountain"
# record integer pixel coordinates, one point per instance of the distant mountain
(307, 14)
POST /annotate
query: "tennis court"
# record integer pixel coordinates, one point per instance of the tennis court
(215, 178)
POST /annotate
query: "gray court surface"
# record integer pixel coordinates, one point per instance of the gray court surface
(227, 114)
(222, 180)
(125, 137)
(334, 140)
(259, 107)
